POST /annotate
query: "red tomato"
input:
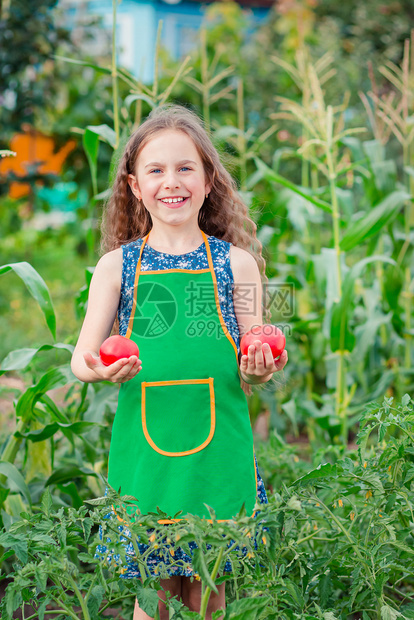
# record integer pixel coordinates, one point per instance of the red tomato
(115, 348)
(265, 333)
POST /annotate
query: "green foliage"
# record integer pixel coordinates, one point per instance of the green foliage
(28, 38)
(335, 541)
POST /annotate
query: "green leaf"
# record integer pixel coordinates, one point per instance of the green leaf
(20, 358)
(90, 141)
(95, 600)
(380, 579)
(72, 490)
(84, 64)
(15, 480)
(85, 557)
(42, 609)
(19, 546)
(40, 575)
(106, 133)
(325, 470)
(295, 593)
(56, 377)
(388, 613)
(62, 474)
(367, 332)
(44, 538)
(117, 155)
(131, 98)
(342, 338)
(40, 434)
(382, 429)
(147, 599)
(325, 588)
(47, 502)
(375, 150)
(248, 608)
(374, 220)
(13, 598)
(87, 524)
(407, 611)
(37, 288)
(200, 567)
(222, 133)
(274, 177)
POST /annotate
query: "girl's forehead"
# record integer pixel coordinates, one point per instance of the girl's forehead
(168, 143)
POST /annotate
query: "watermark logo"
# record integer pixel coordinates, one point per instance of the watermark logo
(200, 300)
(156, 310)
(279, 298)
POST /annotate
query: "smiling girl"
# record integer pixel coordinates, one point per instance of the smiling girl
(181, 252)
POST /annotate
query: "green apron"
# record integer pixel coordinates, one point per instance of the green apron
(182, 437)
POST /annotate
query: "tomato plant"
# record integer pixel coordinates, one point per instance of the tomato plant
(115, 348)
(268, 333)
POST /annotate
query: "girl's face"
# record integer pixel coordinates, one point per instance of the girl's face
(169, 179)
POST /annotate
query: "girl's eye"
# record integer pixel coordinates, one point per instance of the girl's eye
(156, 170)
(185, 168)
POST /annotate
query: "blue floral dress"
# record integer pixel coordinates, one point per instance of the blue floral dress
(154, 260)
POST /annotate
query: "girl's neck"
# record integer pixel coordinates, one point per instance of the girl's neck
(175, 243)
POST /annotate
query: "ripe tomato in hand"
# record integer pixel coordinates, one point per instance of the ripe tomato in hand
(271, 334)
(115, 348)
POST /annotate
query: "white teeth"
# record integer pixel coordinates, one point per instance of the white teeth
(171, 200)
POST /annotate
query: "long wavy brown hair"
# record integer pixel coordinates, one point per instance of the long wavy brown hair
(223, 214)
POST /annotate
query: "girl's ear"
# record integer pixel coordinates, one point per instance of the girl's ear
(133, 184)
(208, 188)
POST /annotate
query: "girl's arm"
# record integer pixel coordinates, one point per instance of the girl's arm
(104, 293)
(258, 365)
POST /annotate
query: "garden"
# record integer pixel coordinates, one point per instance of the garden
(313, 115)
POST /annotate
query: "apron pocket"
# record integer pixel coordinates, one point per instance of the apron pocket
(178, 417)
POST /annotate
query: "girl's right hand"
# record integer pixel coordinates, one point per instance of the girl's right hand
(119, 372)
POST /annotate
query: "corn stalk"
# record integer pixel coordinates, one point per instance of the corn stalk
(210, 79)
(323, 129)
(300, 75)
(397, 113)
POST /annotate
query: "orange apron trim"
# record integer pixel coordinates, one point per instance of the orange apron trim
(209, 382)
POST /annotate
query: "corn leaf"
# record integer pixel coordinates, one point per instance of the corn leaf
(273, 176)
(375, 220)
(37, 288)
(55, 377)
(15, 480)
(20, 358)
(342, 339)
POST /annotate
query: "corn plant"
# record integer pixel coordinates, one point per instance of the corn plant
(301, 75)
(53, 445)
(209, 78)
(395, 111)
(328, 150)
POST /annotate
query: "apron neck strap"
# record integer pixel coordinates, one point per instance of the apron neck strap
(209, 258)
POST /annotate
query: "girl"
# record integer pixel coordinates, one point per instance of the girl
(181, 270)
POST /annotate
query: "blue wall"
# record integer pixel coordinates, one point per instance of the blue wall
(137, 23)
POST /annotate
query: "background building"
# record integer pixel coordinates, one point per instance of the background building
(137, 24)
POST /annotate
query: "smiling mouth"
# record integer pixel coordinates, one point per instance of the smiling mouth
(169, 201)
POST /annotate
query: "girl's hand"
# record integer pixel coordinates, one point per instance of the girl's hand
(119, 372)
(258, 365)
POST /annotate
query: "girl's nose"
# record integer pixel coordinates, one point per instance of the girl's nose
(171, 180)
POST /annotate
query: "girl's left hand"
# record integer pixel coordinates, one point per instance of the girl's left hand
(258, 365)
